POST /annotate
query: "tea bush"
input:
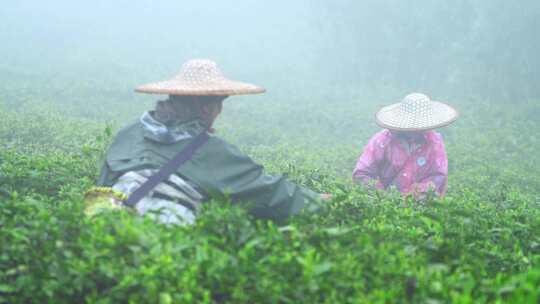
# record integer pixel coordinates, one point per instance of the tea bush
(479, 244)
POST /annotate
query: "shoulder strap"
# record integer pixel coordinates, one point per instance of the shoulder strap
(169, 168)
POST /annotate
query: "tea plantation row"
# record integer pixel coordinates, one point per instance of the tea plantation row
(481, 243)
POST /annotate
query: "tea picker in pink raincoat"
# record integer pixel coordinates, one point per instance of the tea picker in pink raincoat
(408, 154)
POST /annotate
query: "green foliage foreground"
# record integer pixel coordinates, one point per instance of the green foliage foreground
(362, 249)
(479, 244)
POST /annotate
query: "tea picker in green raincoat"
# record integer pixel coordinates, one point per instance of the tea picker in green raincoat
(215, 169)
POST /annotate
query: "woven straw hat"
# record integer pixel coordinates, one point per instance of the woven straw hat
(200, 77)
(416, 112)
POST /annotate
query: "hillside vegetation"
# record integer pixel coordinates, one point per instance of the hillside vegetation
(481, 243)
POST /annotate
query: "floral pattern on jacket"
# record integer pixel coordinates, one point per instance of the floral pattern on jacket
(412, 167)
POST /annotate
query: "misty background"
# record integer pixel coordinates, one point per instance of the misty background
(327, 65)
(68, 69)
(336, 49)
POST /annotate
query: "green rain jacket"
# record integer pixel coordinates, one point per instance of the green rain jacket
(218, 168)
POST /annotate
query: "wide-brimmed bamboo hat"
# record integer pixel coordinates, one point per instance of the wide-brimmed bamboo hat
(201, 77)
(416, 112)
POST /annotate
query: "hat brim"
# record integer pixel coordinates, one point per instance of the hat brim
(391, 117)
(223, 87)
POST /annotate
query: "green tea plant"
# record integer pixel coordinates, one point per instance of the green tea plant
(479, 244)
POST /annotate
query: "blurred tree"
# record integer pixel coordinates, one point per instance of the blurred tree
(456, 48)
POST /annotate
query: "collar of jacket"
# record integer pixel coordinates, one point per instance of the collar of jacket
(169, 134)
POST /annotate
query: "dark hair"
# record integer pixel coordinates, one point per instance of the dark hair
(183, 108)
(197, 99)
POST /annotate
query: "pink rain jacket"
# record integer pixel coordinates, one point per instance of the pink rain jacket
(413, 167)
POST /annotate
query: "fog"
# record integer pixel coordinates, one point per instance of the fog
(68, 70)
(299, 49)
